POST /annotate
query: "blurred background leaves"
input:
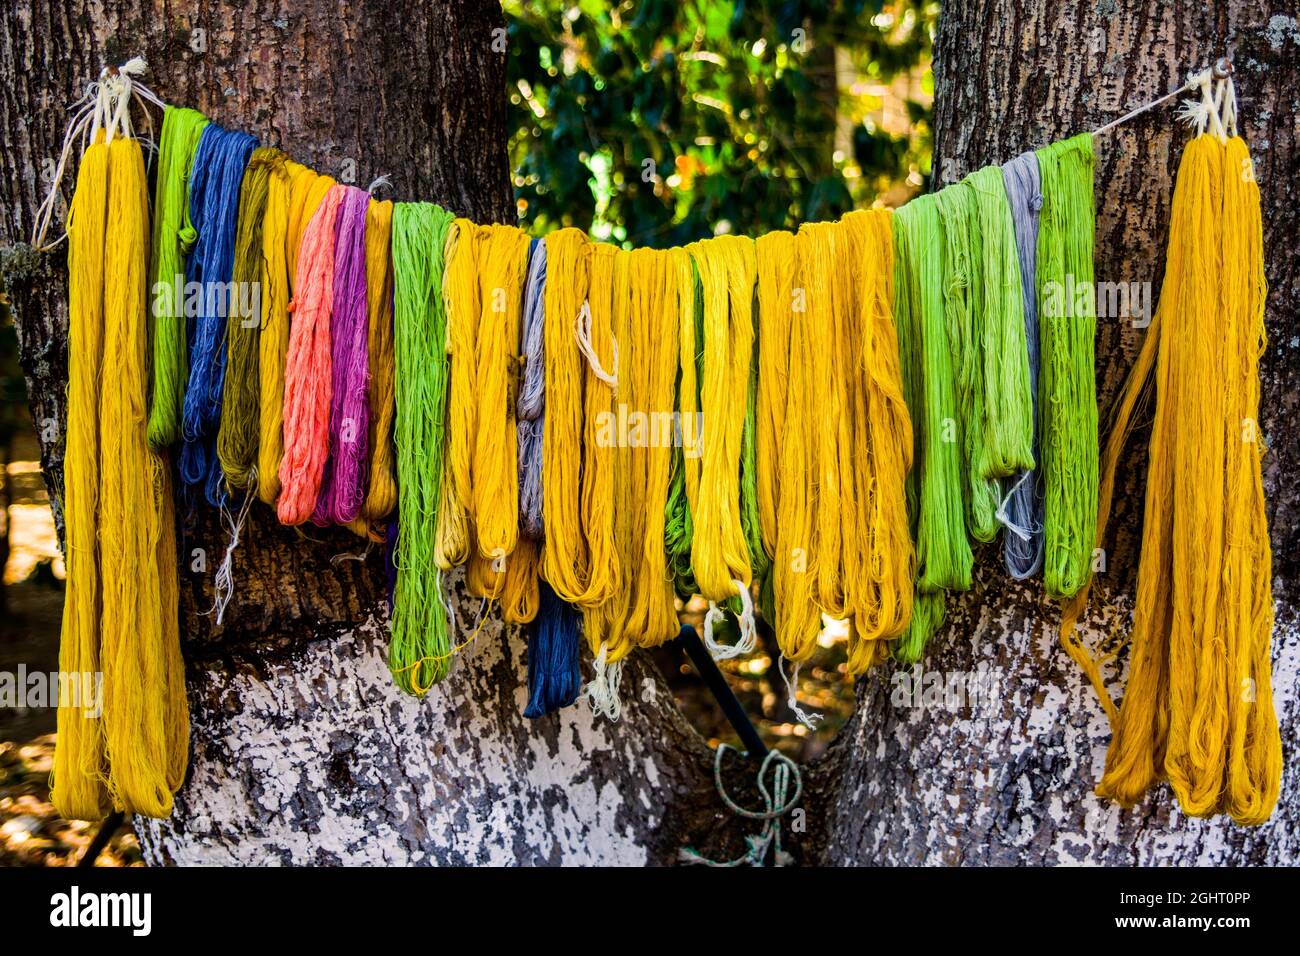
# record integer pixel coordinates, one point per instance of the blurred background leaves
(659, 122)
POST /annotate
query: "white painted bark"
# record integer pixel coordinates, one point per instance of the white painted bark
(320, 759)
(1012, 784)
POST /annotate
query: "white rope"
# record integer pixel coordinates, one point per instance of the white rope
(104, 106)
(338, 559)
(582, 331)
(223, 583)
(1221, 71)
(748, 630)
(1003, 513)
(603, 690)
(791, 700)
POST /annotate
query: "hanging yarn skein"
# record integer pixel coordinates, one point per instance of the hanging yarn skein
(565, 560)
(461, 294)
(218, 171)
(381, 495)
(782, 260)
(308, 375)
(343, 481)
(605, 626)
(684, 484)
(936, 505)
(503, 268)
(998, 321)
(237, 437)
(118, 510)
(775, 257)
(651, 368)
(451, 546)
(1198, 706)
(826, 257)
(600, 401)
(728, 269)
(286, 189)
(419, 651)
(1067, 318)
(882, 592)
(173, 237)
(720, 554)
(146, 717)
(1022, 505)
(983, 312)
(78, 787)
(532, 396)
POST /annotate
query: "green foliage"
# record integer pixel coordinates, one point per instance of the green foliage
(659, 122)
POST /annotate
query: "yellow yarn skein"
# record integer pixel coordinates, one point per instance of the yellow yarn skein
(719, 553)
(828, 257)
(273, 340)
(381, 496)
(606, 625)
(1198, 707)
(775, 253)
(119, 515)
(798, 619)
(462, 293)
(565, 557)
(652, 368)
(881, 599)
(452, 545)
(598, 455)
(78, 787)
(144, 692)
(494, 467)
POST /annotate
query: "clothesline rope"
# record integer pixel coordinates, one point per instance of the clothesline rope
(85, 110)
(1221, 70)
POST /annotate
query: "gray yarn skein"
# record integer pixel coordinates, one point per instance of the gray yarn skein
(531, 405)
(1023, 492)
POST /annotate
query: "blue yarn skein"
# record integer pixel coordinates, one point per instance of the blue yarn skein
(1022, 506)
(554, 638)
(218, 171)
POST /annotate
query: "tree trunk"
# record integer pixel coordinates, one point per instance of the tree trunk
(303, 752)
(1011, 782)
(302, 749)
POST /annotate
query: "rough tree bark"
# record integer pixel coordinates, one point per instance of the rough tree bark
(1012, 783)
(302, 750)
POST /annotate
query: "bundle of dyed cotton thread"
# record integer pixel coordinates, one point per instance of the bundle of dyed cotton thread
(594, 433)
(1198, 706)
